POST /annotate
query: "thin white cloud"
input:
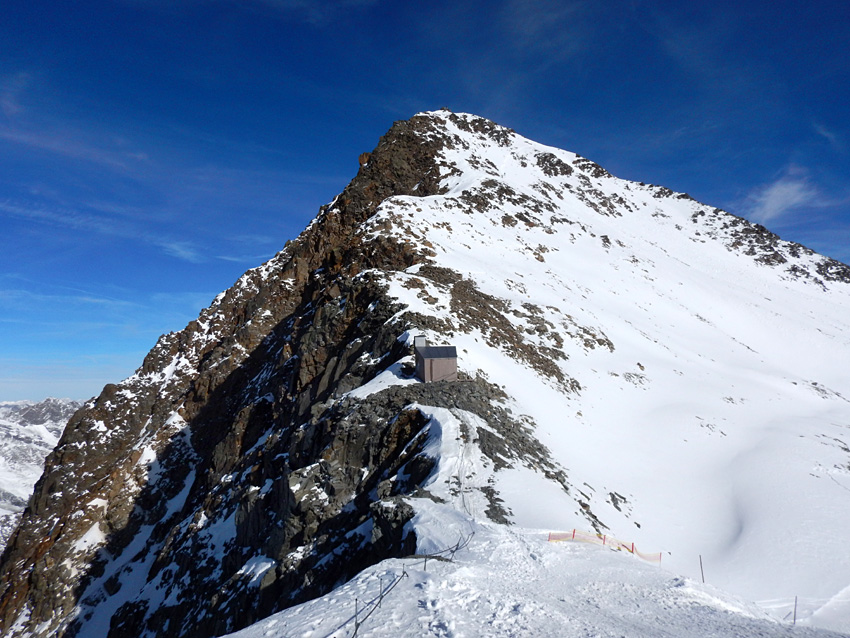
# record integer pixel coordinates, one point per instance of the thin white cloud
(69, 218)
(550, 27)
(183, 250)
(67, 146)
(786, 195)
(829, 136)
(66, 218)
(11, 90)
(515, 47)
(317, 12)
(28, 124)
(28, 298)
(318, 7)
(700, 48)
(252, 260)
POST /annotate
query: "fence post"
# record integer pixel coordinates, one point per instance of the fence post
(356, 614)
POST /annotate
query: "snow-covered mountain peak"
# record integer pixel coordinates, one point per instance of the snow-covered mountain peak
(490, 171)
(679, 351)
(631, 363)
(28, 431)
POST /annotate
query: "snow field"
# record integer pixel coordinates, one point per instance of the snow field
(512, 583)
(509, 581)
(723, 413)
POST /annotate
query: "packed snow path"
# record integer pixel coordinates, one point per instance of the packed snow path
(511, 582)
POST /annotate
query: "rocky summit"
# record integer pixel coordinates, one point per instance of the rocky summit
(610, 335)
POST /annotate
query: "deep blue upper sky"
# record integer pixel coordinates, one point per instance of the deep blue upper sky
(153, 150)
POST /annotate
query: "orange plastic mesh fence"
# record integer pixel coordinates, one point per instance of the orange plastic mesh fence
(602, 539)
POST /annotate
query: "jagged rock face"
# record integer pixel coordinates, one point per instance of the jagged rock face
(138, 469)
(224, 428)
(232, 475)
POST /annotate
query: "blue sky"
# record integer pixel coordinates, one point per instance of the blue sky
(153, 150)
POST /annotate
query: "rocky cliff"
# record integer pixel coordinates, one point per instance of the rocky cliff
(228, 445)
(243, 468)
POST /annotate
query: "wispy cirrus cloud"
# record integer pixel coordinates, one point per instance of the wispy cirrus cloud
(70, 218)
(183, 250)
(62, 217)
(72, 147)
(28, 125)
(792, 192)
(549, 27)
(12, 89)
(829, 135)
(318, 10)
(11, 296)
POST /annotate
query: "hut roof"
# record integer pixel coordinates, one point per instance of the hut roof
(438, 352)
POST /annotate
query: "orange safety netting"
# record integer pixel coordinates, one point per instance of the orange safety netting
(602, 539)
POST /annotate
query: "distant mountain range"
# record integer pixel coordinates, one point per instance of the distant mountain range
(29, 430)
(631, 363)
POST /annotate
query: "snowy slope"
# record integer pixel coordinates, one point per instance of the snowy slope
(28, 431)
(713, 415)
(633, 363)
(485, 579)
(511, 585)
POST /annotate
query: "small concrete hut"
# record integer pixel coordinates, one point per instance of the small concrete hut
(434, 363)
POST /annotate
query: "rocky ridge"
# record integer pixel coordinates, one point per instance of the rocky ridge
(222, 427)
(239, 471)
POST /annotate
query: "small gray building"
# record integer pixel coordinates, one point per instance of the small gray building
(434, 363)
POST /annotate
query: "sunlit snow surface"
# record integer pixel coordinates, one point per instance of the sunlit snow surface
(510, 581)
(716, 428)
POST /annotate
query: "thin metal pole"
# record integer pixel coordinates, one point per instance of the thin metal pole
(702, 573)
(356, 615)
(795, 611)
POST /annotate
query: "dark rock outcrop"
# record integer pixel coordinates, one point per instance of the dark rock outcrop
(220, 428)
